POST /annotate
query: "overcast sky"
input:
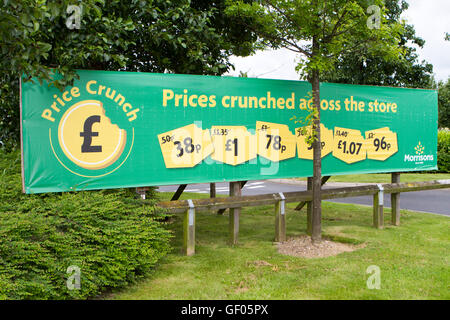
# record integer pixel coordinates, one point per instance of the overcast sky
(431, 19)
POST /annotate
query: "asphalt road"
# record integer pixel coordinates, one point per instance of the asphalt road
(433, 201)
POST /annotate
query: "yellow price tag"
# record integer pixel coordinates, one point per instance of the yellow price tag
(185, 147)
(233, 145)
(305, 151)
(381, 144)
(349, 145)
(275, 141)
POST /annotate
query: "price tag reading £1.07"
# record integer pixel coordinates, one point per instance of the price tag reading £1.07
(349, 145)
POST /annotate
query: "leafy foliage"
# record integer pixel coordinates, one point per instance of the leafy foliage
(444, 104)
(444, 150)
(109, 235)
(321, 31)
(338, 26)
(9, 110)
(307, 122)
(369, 69)
(183, 36)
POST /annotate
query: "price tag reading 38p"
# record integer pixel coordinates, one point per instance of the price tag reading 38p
(185, 147)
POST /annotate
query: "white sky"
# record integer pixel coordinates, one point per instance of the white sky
(430, 18)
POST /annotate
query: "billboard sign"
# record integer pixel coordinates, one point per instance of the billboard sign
(126, 129)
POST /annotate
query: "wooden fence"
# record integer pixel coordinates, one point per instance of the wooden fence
(190, 207)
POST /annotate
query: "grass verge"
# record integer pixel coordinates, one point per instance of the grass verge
(413, 259)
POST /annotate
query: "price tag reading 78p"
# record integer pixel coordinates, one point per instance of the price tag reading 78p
(185, 147)
(349, 145)
(275, 141)
(381, 144)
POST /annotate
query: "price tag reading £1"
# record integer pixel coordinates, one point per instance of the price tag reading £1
(233, 145)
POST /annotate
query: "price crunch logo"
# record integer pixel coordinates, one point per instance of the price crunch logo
(85, 140)
(88, 138)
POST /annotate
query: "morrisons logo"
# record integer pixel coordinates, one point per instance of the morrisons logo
(419, 157)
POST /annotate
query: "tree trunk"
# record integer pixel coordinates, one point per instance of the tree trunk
(316, 233)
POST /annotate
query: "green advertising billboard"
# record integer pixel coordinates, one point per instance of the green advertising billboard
(126, 129)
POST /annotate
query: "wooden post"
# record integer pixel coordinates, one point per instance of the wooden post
(212, 190)
(242, 184)
(378, 208)
(280, 219)
(179, 191)
(189, 230)
(141, 191)
(303, 203)
(235, 190)
(395, 201)
(309, 209)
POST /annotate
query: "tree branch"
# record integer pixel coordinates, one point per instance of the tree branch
(289, 19)
(336, 26)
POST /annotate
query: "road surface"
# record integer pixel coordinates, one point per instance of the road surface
(433, 201)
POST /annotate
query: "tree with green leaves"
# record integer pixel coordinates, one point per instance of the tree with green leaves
(321, 31)
(444, 103)
(39, 38)
(444, 99)
(368, 69)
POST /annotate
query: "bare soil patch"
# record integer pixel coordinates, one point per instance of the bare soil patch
(305, 248)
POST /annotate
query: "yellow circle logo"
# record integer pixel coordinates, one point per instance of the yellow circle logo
(88, 138)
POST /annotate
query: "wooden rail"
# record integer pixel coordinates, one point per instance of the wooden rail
(189, 207)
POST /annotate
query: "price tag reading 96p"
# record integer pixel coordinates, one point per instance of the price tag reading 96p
(233, 145)
(185, 147)
(275, 141)
(349, 145)
(381, 144)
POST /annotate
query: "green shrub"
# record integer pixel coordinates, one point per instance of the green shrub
(109, 235)
(444, 150)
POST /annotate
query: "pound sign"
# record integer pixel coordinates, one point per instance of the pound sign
(87, 134)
